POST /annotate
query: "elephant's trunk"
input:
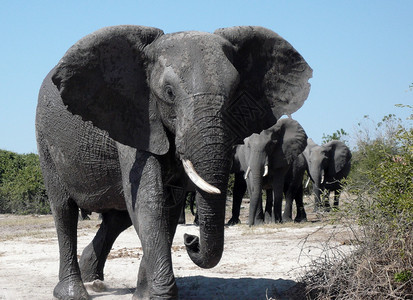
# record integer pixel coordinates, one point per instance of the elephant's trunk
(208, 149)
(255, 190)
(258, 164)
(206, 251)
(318, 186)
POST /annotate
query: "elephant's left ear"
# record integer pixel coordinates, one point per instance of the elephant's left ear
(102, 78)
(271, 70)
(340, 156)
(290, 138)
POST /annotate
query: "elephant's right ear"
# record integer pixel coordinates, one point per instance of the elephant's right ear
(102, 78)
(271, 71)
(290, 138)
(339, 155)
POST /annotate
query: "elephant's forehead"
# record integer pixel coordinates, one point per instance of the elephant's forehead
(198, 55)
(178, 37)
(189, 43)
(318, 150)
(257, 141)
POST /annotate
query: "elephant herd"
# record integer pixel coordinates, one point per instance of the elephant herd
(275, 160)
(130, 117)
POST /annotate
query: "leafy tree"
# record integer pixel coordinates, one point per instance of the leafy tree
(22, 189)
(338, 135)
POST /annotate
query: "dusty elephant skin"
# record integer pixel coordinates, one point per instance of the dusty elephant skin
(327, 165)
(263, 162)
(126, 110)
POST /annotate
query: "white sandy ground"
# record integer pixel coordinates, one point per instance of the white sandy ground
(258, 263)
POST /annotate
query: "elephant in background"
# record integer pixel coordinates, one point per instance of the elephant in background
(262, 162)
(128, 110)
(328, 164)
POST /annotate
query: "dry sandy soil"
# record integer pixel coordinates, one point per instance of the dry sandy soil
(263, 262)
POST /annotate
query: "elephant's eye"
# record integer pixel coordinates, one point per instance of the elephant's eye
(169, 94)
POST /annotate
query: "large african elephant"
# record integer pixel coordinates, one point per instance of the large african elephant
(263, 161)
(328, 164)
(127, 110)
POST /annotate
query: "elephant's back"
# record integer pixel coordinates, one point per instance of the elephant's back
(85, 157)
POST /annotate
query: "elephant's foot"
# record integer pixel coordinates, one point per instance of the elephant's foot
(169, 292)
(88, 268)
(137, 297)
(96, 286)
(299, 220)
(89, 275)
(258, 222)
(70, 288)
(267, 218)
(146, 288)
(287, 216)
(233, 221)
(287, 219)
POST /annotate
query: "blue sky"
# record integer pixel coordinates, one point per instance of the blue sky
(361, 51)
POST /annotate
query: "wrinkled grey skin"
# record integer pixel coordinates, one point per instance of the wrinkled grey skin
(121, 110)
(277, 147)
(328, 164)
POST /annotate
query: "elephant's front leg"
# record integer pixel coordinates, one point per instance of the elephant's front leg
(240, 187)
(317, 198)
(277, 188)
(146, 202)
(288, 209)
(326, 198)
(301, 214)
(268, 206)
(336, 198)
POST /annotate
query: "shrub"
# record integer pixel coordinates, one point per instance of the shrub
(22, 189)
(381, 265)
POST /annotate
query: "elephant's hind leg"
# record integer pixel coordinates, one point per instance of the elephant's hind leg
(65, 213)
(92, 261)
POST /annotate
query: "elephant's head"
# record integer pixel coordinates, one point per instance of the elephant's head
(269, 152)
(143, 86)
(326, 163)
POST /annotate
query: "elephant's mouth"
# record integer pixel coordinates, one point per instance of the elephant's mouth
(198, 180)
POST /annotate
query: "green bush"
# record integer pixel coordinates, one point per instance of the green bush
(22, 189)
(380, 214)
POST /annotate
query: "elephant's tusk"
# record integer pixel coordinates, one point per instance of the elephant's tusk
(247, 172)
(265, 171)
(322, 178)
(197, 180)
(308, 181)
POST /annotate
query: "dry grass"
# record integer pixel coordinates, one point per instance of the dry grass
(380, 267)
(36, 226)
(16, 226)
